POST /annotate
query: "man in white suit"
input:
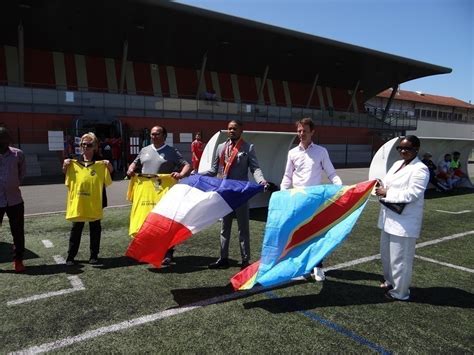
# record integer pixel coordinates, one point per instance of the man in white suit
(405, 183)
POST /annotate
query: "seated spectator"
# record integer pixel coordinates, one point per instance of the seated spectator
(445, 173)
(432, 168)
(456, 165)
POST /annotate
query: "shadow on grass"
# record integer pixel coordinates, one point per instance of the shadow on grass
(188, 264)
(53, 269)
(432, 193)
(116, 262)
(188, 296)
(345, 294)
(353, 275)
(6, 253)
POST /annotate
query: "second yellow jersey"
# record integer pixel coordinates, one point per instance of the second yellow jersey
(145, 192)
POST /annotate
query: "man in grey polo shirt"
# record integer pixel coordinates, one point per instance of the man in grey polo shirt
(160, 158)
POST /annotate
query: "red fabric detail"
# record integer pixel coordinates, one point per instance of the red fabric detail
(155, 237)
(239, 279)
(330, 214)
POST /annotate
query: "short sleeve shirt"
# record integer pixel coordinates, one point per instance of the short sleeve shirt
(163, 160)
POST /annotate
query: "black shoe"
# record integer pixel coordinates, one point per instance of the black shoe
(244, 264)
(220, 264)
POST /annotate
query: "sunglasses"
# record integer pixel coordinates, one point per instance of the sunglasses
(407, 149)
(155, 134)
(88, 145)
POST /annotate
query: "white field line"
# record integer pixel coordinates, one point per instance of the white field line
(59, 259)
(175, 311)
(451, 212)
(47, 243)
(462, 268)
(39, 214)
(75, 281)
(440, 240)
(377, 256)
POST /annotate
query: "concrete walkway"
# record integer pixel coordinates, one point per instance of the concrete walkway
(52, 198)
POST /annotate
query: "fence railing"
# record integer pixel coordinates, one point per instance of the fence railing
(82, 102)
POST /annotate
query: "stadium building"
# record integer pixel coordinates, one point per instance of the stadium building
(118, 68)
(436, 116)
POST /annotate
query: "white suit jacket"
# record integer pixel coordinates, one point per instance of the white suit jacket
(408, 186)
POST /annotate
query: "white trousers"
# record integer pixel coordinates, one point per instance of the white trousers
(397, 262)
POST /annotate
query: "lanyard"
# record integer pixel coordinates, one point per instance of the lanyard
(231, 152)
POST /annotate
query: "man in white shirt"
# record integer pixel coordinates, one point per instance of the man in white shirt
(304, 167)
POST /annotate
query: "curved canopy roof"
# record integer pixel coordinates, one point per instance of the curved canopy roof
(169, 33)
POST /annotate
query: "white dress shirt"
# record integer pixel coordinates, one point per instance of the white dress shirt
(304, 167)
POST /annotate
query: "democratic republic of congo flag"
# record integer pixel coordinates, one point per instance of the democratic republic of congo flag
(188, 207)
(304, 225)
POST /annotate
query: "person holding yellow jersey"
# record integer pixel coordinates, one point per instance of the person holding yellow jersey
(86, 179)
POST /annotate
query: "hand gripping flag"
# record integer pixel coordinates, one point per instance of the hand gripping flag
(304, 225)
(188, 207)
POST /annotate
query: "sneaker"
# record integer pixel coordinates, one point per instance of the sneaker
(319, 274)
(19, 267)
(93, 261)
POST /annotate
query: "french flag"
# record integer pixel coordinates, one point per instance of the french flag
(188, 207)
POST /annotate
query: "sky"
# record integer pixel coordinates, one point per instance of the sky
(439, 32)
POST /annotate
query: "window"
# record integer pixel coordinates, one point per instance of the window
(423, 113)
(417, 113)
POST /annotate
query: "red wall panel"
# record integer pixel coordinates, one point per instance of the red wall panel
(143, 81)
(96, 74)
(226, 86)
(71, 76)
(39, 68)
(279, 92)
(165, 86)
(186, 81)
(299, 93)
(3, 66)
(248, 89)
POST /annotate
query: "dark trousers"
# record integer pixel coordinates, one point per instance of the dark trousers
(16, 218)
(75, 238)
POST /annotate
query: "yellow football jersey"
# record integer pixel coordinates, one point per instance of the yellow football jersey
(145, 191)
(85, 182)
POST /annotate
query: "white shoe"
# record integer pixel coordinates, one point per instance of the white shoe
(319, 274)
